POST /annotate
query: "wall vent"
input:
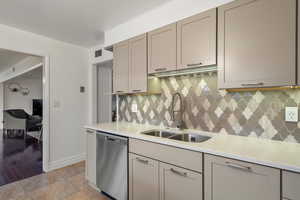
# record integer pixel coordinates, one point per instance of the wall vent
(98, 53)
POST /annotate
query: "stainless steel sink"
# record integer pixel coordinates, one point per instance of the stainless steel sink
(185, 137)
(189, 137)
(159, 133)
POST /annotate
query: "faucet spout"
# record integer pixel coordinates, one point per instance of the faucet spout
(179, 123)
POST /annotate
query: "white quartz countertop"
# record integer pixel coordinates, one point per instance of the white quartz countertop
(282, 155)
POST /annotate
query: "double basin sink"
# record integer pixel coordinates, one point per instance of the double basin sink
(185, 137)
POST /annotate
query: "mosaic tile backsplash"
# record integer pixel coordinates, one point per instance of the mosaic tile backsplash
(254, 114)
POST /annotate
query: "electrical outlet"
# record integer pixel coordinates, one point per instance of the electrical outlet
(291, 114)
(134, 108)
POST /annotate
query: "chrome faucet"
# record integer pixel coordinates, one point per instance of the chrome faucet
(180, 123)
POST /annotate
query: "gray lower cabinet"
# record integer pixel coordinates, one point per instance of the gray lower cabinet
(235, 180)
(90, 164)
(177, 183)
(290, 185)
(151, 178)
(257, 43)
(143, 178)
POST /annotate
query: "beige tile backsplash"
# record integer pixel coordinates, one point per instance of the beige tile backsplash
(253, 114)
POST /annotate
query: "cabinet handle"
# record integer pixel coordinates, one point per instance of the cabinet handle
(178, 172)
(160, 69)
(136, 90)
(120, 91)
(253, 84)
(142, 160)
(194, 64)
(89, 131)
(237, 166)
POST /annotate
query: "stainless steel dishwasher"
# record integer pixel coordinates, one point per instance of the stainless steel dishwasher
(112, 165)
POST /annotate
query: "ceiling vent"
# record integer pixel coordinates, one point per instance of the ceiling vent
(98, 53)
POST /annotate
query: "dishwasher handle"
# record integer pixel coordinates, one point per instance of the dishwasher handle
(110, 137)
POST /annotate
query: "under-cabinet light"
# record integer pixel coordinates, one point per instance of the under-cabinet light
(186, 71)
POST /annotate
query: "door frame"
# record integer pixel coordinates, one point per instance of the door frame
(46, 103)
(94, 91)
(98, 68)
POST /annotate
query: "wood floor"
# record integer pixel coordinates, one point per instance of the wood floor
(19, 160)
(63, 184)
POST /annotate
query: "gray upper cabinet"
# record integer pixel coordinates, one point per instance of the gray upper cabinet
(236, 180)
(121, 68)
(257, 43)
(196, 40)
(162, 49)
(138, 64)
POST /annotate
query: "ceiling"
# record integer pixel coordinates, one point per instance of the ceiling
(9, 58)
(80, 22)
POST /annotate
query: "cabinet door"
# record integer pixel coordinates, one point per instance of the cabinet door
(121, 67)
(196, 40)
(91, 156)
(290, 185)
(143, 178)
(138, 64)
(178, 184)
(257, 43)
(235, 180)
(162, 49)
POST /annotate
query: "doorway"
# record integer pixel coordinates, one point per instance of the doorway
(24, 115)
(106, 100)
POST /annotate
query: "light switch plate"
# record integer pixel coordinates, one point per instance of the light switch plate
(291, 114)
(134, 108)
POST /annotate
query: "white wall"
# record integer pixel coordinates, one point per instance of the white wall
(68, 71)
(16, 100)
(167, 13)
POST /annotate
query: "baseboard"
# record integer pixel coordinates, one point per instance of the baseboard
(94, 186)
(66, 162)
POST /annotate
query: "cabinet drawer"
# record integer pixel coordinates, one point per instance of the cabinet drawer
(236, 180)
(176, 156)
(290, 185)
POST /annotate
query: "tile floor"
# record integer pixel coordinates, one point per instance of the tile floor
(63, 184)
